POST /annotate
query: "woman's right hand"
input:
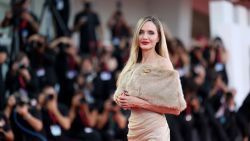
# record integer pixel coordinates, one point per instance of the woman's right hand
(128, 102)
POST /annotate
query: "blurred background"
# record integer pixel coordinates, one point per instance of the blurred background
(59, 61)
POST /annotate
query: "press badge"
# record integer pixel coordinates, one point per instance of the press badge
(40, 72)
(218, 67)
(59, 5)
(71, 74)
(55, 130)
(88, 130)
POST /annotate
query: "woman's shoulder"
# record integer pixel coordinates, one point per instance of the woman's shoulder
(165, 63)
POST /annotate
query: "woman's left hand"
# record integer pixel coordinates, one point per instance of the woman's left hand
(130, 102)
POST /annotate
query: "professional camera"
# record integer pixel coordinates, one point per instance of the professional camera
(83, 100)
(35, 44)
(49, 97)
(63, 46)
(21, 66)
(21, 99)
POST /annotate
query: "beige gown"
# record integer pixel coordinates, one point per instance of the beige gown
(146, 125)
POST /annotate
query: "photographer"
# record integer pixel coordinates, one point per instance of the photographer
(84, 118)
(67, 65)
(6, 133)
(55, 115)
(21, 76)
(118, 27)
(42, 60)
(25, 119)
(88, 24)
(24, 22)
(112, 122)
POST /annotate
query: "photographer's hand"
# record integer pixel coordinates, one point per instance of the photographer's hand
(52, 105)
(25, 73)
(34, 122)
(27, 16)
(8, 15)
(22, 110)
(74, 104)
(63, 121)
(78, 25)
(8, 135)
(10, 104)
(7, 19)
(76, 101)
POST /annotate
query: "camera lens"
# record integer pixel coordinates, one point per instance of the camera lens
(21, 103)
(82, 100)
(21, 66)
(35, 44)
(63, 46)
(49, 97)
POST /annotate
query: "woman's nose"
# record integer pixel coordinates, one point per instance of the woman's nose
(144, 36)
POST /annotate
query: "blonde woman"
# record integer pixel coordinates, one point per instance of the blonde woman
(148, 85)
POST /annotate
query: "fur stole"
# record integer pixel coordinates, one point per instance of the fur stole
(154, 84)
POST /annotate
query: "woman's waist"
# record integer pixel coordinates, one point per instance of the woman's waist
(146, 119)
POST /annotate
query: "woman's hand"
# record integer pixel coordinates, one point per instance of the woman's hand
(129, 102)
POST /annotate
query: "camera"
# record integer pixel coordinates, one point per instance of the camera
(21, 99)
(82, 100)
(35, 44)
(21, 66)
(63, 46)
(49, 97)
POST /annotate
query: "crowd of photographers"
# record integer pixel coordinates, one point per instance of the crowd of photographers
(53, 90)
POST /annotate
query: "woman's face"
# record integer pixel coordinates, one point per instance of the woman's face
(148, 36)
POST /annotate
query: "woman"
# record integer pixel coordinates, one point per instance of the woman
(148, 85)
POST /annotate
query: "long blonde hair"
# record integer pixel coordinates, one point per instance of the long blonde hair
(135, 51)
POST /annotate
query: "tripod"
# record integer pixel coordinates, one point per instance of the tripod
(50, 16)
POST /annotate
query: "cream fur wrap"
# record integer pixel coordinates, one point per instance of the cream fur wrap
(156, 85)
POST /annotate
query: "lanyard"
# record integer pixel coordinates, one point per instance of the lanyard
(52, 117)
(22, 82)
(83, 118)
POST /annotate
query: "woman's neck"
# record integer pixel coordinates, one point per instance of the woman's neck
(148, 57)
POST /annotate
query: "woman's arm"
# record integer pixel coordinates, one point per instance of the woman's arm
(131, 102)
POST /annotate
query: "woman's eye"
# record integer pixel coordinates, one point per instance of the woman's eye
(141, 32)
(151, 33)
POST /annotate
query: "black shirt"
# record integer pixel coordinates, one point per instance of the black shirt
(87, 31)
(20, 126)
(50, 122)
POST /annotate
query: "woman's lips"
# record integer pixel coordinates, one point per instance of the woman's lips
(144, 43)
